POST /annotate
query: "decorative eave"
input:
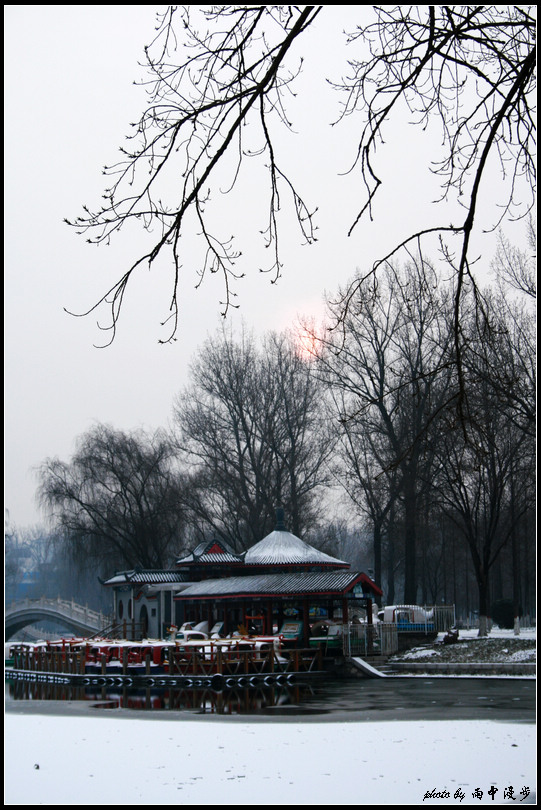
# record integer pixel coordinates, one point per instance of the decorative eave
(211, 552)
(145, 577)
(370, 585)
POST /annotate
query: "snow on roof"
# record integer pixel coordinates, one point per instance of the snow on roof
(215, 551)
(145, 577)
(327, 582)
(280, 547)
(209, 558)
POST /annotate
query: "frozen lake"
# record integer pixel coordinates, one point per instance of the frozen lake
(360, 700)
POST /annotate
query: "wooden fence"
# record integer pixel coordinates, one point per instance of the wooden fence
(237, 662)
(176, 661)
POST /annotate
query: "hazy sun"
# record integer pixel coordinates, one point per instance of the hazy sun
(307, 345)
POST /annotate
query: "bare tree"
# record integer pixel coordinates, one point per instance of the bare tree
(219, 438)
(367, 472)
(120, 499)
(517, 268)
(249, 425)
(219, 81)
(481, 464)
(476, 478)
(390, 365)
(299, 436)
(508, 351)
(231, 75)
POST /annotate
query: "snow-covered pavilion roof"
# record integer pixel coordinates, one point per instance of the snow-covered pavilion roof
(280, 547)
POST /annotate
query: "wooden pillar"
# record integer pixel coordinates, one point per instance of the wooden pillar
(268, 622)
(180, 614)
(306, 622)
(330, 610)
(345, 615)
(280, 614)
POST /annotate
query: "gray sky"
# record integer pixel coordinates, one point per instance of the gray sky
(69, 98)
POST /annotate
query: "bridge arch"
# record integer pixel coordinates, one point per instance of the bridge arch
(77, 619)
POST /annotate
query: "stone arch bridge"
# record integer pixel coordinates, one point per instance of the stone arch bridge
(78, 619)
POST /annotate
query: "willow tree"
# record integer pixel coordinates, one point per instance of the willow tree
(119, 501)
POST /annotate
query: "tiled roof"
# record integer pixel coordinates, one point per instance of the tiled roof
(220, 558)
(327, 582)
(149, 577)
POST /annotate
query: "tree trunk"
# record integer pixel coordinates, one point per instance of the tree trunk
(410, 551)
(482, 582)
(515, 562)
(390, 570)
(377, 553)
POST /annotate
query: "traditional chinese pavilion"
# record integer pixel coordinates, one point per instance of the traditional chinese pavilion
(277, 580)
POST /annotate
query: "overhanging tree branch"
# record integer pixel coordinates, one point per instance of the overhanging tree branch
(470, 69)
(219, 119)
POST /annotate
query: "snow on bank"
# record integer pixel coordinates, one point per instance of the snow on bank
(103, 760)
(501, 646)
(500, 632)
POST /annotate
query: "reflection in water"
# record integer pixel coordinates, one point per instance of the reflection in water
(236, 700)
(360, 699)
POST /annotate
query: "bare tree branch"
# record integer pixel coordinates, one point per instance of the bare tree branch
(217, 82)
(198, 109)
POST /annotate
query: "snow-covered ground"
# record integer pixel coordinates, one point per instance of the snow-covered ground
(93, 760)
(499, 632)
(107, 760)
(500, 646)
